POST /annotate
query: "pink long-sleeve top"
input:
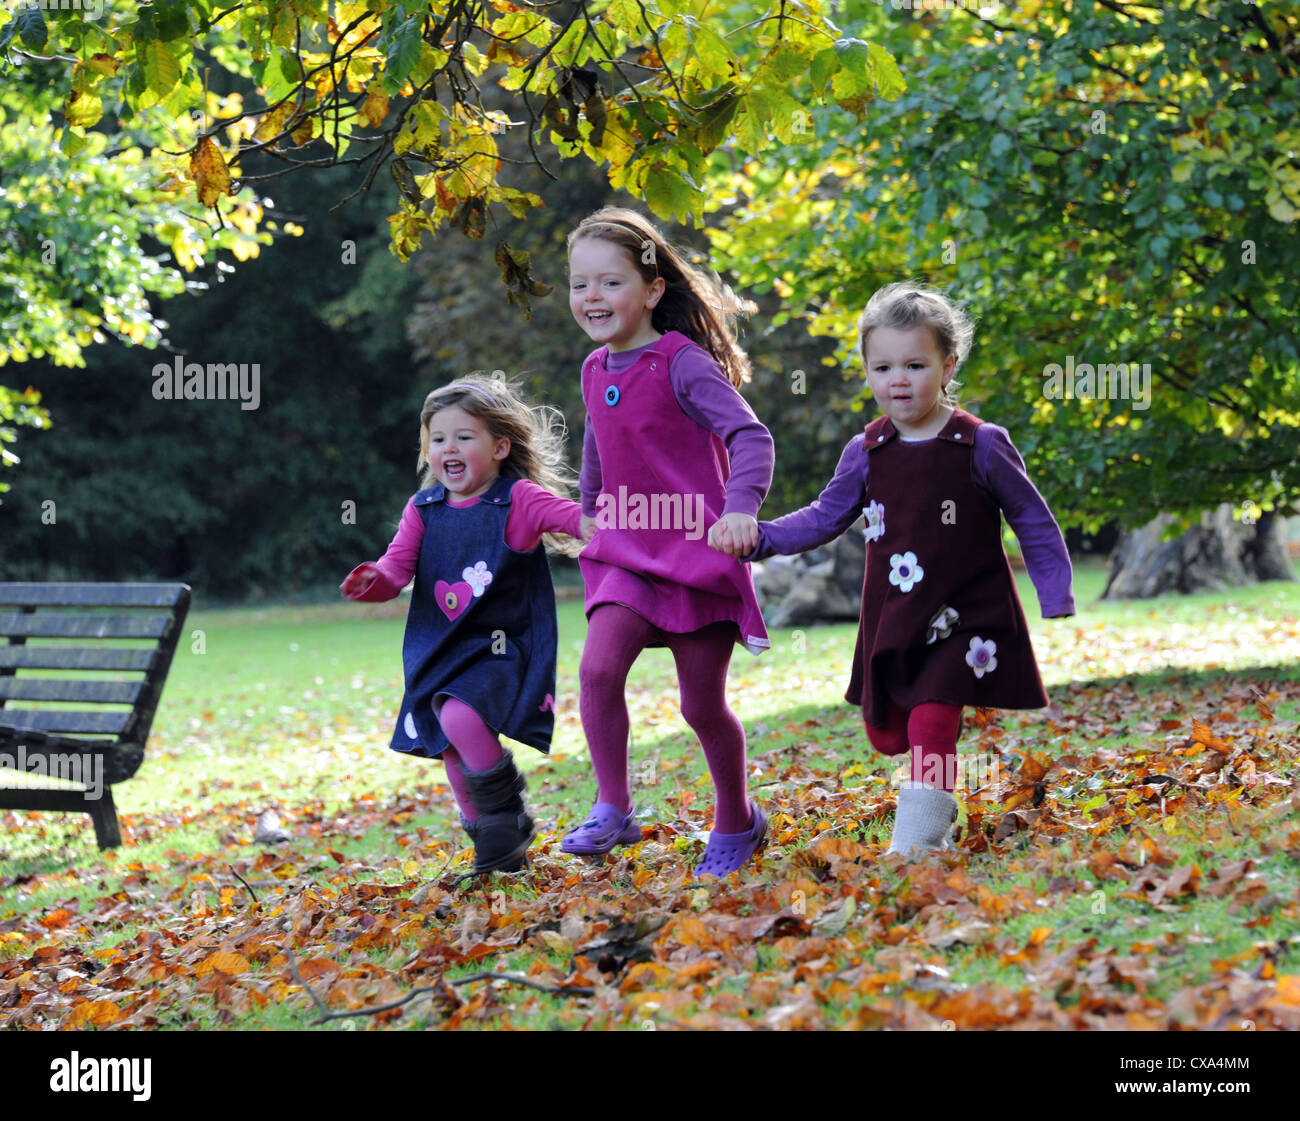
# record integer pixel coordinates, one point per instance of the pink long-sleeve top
(534, 510)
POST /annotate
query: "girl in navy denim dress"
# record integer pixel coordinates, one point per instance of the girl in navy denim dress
(480, 644)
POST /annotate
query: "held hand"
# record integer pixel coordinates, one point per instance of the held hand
(358, 580)
(734, 534)
(588, 527)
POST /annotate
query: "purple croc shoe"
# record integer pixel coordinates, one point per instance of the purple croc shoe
(605, 827)
(728, 852)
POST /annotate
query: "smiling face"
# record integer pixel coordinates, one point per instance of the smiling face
(609, 297)
(906, 374)
(463, 454)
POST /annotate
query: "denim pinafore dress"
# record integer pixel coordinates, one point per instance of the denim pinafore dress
(481, 626)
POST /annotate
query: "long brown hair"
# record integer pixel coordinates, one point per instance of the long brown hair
(536, 437)
(694, 302)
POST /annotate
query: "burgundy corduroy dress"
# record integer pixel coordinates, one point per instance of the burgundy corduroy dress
(941, 620)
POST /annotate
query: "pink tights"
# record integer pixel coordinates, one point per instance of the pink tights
(474, 747)
(616, 636)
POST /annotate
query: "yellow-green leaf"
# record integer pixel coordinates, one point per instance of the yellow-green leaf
(272, 123)
(428, 116)
(83, 109)
(624, 14)
(72, 142)
(104, 64)
(161, 70)
(889, 79)
(209, 172)
(668, 193)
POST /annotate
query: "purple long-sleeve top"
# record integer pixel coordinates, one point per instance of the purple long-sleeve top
(998, 471)
(704, 394)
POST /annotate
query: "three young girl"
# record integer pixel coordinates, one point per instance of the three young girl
(668, 433)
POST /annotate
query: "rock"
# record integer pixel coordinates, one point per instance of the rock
(774, 577)
(268, 831)
(821, 586)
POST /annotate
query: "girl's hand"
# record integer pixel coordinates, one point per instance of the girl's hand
(359, 579)
(734, 534)
(588, 528)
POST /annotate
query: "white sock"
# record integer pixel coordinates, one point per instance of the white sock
(924, 819)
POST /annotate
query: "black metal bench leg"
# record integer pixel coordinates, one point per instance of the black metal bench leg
(104, 814)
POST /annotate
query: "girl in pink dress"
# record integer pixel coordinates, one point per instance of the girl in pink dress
(674, 461)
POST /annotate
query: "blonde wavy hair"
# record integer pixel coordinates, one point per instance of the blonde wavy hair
(536, 438)
(906, 304)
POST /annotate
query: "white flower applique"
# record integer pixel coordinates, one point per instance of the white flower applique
(941, 625)
(904, 571)
(982, 656)
(875, 515)
(478, 578)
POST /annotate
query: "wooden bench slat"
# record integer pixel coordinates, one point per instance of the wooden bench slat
(91, 595)
(47, 743)
(84, 626)
(114, 740)
(58, 689)
(68, 721)
(75, 657)
(102, 811)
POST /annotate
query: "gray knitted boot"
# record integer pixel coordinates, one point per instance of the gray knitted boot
(924, 819)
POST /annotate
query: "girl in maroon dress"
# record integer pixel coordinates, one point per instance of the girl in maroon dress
(941, 623)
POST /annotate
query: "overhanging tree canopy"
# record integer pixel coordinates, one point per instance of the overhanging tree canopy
(1107, 183)
(135, 127)
(146, 108)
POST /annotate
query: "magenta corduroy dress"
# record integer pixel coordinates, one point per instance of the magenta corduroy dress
(654, 459)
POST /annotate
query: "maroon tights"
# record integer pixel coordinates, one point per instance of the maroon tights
(930, 732)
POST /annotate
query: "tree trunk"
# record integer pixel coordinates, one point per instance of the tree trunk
(1217, 554)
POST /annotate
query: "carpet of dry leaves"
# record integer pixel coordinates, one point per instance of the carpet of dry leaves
(1074, 838)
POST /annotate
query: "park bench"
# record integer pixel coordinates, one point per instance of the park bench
(95, 667)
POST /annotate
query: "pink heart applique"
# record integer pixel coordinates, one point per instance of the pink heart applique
(454, 599)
